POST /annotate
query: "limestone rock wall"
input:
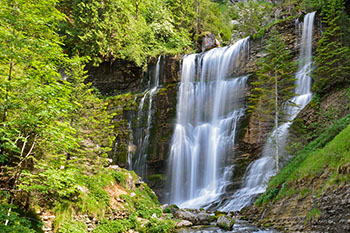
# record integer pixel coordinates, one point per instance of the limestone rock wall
(112, 78)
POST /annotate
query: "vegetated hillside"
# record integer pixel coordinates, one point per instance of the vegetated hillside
(311, 193)
(112, 200)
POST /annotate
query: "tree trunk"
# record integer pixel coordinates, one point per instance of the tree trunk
(137, 9)
(7, 92)
(197, 17)
(276, 125)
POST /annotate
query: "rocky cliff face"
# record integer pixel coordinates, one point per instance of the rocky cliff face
(315, 204)
(112, 78)
(252, 131)
(307, 211)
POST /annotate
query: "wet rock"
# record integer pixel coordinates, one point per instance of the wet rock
(184, 223)
(195, 216)
(203, 218)
(225, 222)
(186, 215)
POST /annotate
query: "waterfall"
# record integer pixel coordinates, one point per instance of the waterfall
(210, 104)
(259, 172)
(139, 163)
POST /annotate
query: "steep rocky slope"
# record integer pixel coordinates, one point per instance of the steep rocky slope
(311, 194)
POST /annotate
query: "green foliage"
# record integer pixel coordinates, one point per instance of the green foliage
(156, 178)
(312, 5)
(53, 128)
(125, 29)
(315, 213)
(110, 226)
(122, 225)
(275, 80)
(16, 223)
(157, 226)
(73, 227)
(251, 17)
(118, 106)
(138, 29)
(333, 50)
(311, 161)
(120, 177)
(144, 187)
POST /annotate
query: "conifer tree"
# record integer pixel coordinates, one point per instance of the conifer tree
(333, 55)
(274, 87)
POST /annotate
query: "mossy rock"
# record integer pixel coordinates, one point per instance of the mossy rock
(225, 222)
(156, 178)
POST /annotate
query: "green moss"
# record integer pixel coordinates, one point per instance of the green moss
(213, 218)
(226, 226)
(147, 192)
(315, 213)
(120, 177)
(167, 210)
(156, 178)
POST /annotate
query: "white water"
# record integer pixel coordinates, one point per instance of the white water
(140, 161)
(259, 172)
(210, 103)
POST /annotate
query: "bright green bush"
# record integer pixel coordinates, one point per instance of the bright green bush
(157, 226)
(110, 226)
(73, 227)
(16, 223)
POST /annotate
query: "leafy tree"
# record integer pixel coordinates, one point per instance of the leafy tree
(251, 16)
(138, 29)
(49, 119)
(107, 30)
(333, 50)
(312, 5)
(274, 86)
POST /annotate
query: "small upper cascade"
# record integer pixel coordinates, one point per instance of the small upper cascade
(139, 162)
(210, 104)
(260, 171)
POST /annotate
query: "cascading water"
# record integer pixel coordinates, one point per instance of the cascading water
(210, 104)
(259, 172)
(139, 163)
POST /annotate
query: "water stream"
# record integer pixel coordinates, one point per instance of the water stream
(240, 226)
(260, 171)
(139, 162)
(210, 104)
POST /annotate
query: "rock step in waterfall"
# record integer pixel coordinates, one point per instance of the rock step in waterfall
(210, 104)
(260, 171)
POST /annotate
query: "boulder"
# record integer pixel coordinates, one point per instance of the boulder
(196, 217)
(209, 41)
(203, 218)
(184, 223)
(186, 215)
(225, 222)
